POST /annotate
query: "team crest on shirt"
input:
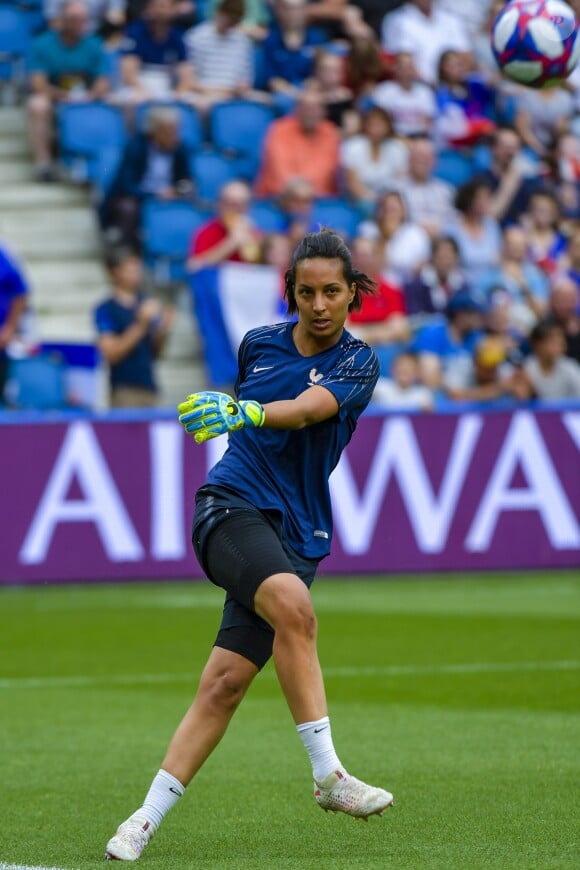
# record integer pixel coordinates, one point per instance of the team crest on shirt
(314, 377)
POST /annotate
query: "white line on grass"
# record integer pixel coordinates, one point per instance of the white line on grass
(25, 867)
(386, 671)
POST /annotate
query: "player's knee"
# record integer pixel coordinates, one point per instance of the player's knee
(225, 691)
(298, 618)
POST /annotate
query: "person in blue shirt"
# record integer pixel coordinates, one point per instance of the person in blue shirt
(263, 522)
(131, 332)
(13, 303)
(288, 51)
(65, 65)
(153, 56)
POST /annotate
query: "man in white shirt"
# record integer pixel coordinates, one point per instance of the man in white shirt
(221, 56)
(429, 199)
(423, 28)
(410, 103)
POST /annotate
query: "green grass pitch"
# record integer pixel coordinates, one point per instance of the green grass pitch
(461, 695)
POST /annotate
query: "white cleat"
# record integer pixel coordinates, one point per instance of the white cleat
(131, 838)
(341, 793)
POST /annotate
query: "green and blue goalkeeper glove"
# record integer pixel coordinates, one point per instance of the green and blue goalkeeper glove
(208, 414)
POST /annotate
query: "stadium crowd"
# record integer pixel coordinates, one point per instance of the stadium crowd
(461, 190)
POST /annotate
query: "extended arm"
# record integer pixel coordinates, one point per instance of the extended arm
(209, 414)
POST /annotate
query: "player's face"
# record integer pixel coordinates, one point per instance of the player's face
(322, 298)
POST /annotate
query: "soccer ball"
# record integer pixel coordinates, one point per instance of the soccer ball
(535, 42)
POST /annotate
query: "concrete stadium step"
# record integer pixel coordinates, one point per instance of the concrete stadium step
(15, 171)
(13, 121)
(73, 233)
(71, 327)
(179, 379)
(78, 275)
(30, 195)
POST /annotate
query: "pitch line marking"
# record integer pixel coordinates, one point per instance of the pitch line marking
(26, 867)
(386, 671)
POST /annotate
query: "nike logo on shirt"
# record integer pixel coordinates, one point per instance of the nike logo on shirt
(262, 368)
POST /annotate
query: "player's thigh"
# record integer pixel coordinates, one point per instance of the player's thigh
(243, 551)
(283, 600)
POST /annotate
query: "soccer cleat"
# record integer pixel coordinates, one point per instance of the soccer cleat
(131, 838)
(341, 793)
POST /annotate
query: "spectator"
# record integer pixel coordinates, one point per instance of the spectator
(477, 233)
(572, 260)
(564, 180)
(464, 104)
(338, 99)
(550, 374)
(256, 17)
(481, 42)
(512, 176)
(154, 164)
(381, 319)
(296, 203)
(372, 160)
(65, 66)
(221, 57)
(430, 199)
(471, 13)
(439, 279)
(541, 116)
(231, 235)
(546, 244)
(365, 66)
(525, 284)
(103, 15)
(13, 304)
(403, 390)
(288, 51)
(423, 28)
(303, 144)
(153, 56)
(405, 244)
(131, 332)
(410, 103)
(446, 345)
(564, 309)
(488, 377)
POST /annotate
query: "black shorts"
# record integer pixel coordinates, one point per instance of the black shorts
(238, 547)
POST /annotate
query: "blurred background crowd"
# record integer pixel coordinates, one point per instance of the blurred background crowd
(208, 132)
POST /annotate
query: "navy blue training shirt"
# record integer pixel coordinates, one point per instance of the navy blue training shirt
(288, 470)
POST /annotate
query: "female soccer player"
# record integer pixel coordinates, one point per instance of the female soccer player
(263, 522)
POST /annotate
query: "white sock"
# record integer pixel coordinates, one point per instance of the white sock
(164, 793)
(317, 740)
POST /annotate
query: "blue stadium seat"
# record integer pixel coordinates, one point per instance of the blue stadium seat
(167, 228)
(238, 128)
(267, 216)
(336, 214)
(191, 127)
(210, 171)
(84, 130)
(14, 44)
(37, 383)
(453, 167)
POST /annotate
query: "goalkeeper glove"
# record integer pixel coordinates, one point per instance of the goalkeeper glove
(208, 414)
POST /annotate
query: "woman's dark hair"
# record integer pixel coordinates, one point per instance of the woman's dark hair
(328, 245)
(465, 195)
(441, 77)
(383, 115)
(440, 241)
(543, 329)
(116, 256)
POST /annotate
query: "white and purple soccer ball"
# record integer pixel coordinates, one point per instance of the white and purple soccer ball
(536, 42)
